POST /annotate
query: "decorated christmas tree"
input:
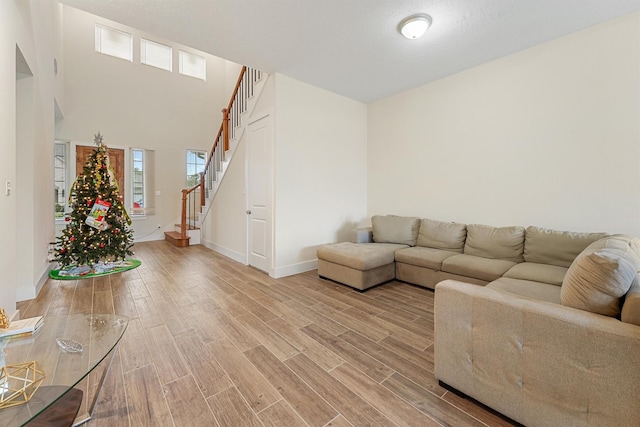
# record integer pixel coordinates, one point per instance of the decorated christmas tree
(97, 228)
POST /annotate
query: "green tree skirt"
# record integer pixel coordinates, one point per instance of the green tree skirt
(68, 274)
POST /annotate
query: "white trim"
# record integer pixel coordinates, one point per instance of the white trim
(234, 255)
(153, 236)
(24, 293)
(292, 269)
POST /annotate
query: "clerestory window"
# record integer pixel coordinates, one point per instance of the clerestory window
(112, 42)
(155, 54)
(192, 65)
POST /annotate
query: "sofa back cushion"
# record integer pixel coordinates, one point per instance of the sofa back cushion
(395, 229)
(544, 246)
(601, 275)
(505, 243)
(631, 308)
(449, 236)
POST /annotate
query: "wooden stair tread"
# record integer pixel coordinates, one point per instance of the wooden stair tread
(176, 239)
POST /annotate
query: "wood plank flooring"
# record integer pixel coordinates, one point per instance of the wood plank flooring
(212, 342)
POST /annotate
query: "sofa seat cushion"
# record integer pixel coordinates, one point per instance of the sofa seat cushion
(478, 267)
(545, 273)
(424, 257)
(395, 229)
(485, 241)
(449, 236)
(528, 288)
(545, 246)
(602, 274)
(359, 256)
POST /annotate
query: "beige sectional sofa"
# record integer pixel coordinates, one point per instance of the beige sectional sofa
(552, 335)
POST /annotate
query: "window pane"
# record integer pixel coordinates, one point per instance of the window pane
(155, 54)
(137, 178)
(192, 65)
(196, 161)
(60, 179)
(114, 42)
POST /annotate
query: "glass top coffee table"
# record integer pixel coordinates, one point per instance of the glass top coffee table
(66, 370)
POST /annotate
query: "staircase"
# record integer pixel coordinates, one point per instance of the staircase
(196, 201)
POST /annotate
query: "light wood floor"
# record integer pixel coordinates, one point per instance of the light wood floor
(212, 342)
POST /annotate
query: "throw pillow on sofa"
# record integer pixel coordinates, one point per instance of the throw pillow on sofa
(395, 229)
(601, 275)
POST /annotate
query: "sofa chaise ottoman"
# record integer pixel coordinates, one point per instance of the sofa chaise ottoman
(359, 265)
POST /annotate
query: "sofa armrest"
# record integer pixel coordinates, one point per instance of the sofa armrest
(364, 235)
(536, 362)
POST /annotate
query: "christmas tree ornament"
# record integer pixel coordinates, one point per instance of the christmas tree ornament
(4, 319)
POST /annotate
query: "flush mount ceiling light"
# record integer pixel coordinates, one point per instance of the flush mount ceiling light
(414, 26)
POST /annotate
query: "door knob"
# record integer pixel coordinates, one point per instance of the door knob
(248, 212)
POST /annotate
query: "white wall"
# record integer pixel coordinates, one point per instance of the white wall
(225, 227)
(320, 176)
(138, 106)
(320, 171)
(8, 34)
(549, 136)
(26, 146)
(58, 41)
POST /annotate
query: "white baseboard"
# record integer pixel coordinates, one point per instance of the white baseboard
(29, 292)
(236, 256)
(276, 273)
(156, 235)
(298, 268)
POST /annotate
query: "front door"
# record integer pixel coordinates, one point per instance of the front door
(260, 188)
(116, 157)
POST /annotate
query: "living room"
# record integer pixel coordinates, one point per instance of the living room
(545, 136)
(569, 109)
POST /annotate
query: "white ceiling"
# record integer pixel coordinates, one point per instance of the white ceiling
(352, 47)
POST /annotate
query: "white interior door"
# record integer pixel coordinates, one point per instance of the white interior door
(259, 194)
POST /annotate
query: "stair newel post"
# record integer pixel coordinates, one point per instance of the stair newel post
(201, 190)
(183, 220)
(225, 128)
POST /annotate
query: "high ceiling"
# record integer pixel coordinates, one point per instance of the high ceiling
(352, 47)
